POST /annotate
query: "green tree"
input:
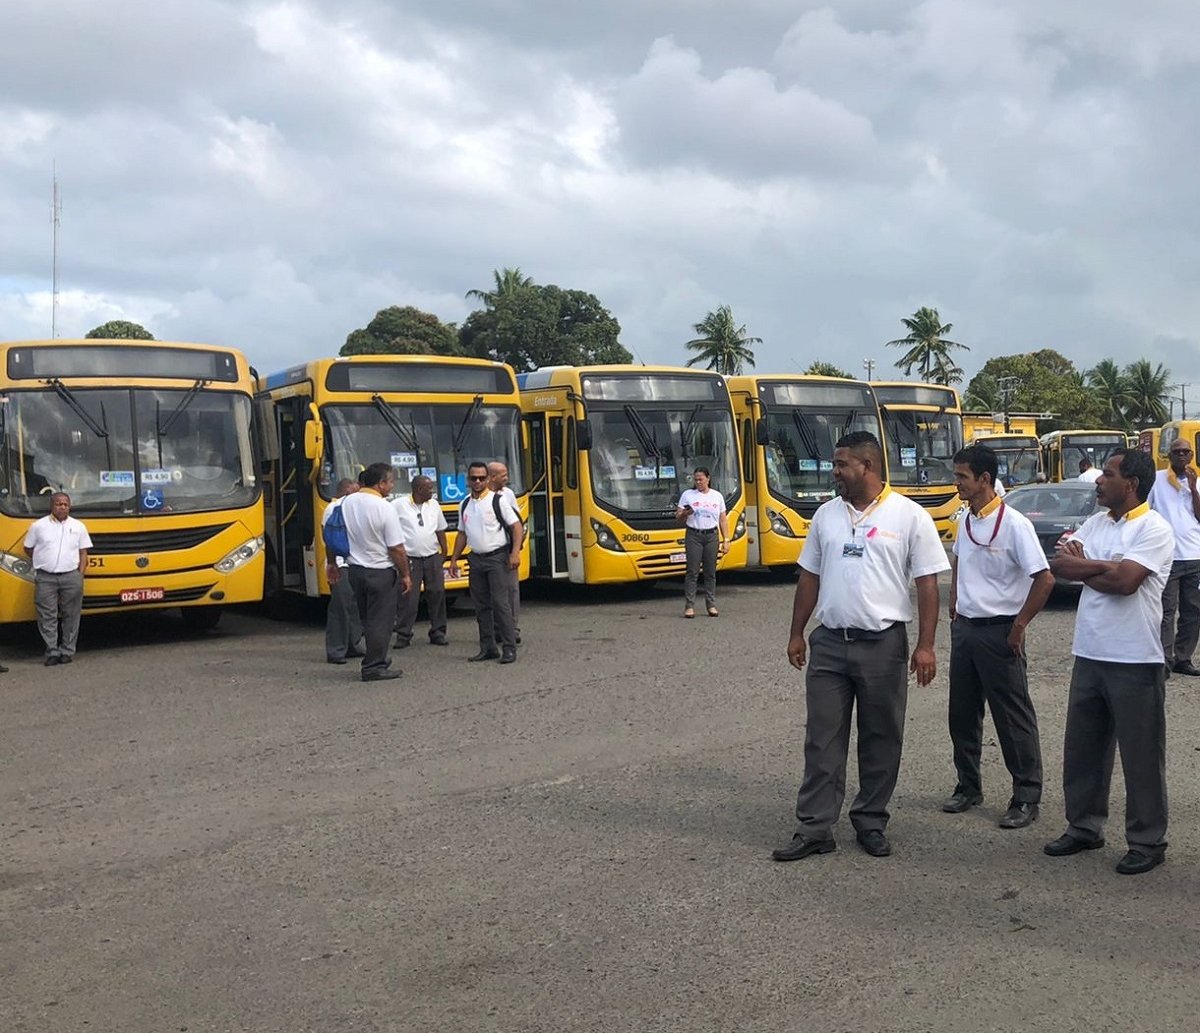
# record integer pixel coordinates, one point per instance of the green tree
(821, 368)
(1111, 386)
(402, 330)
(528, 325)
(1046, 382)
(120, 330)
(722, 345)
(928, 349)
(508, 283)
(983, 394)
(1146, 404)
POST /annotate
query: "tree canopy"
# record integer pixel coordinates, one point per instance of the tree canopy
(402, 330)
(1046, 382)
(120, 330)
(722, 345)
(529, 325)
(821, 368)
(928, 349)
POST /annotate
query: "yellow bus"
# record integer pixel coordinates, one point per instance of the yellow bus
(1062, 450)
(328, 419)
(611, 448)
(1163, 437)
(978, 424)
(789, 426)
(154, 443)
(1018, 456)
(1148, 440)
(923, 429)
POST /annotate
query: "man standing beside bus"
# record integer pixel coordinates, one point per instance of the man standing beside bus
(57, 545)
(424, 526)
(1000, 581)
(343, 629)
(378, 565)
(1176, 497)
(862, 552)
(498, 473)
(491, 527)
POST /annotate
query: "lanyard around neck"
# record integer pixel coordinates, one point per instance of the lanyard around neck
(863, 515)
(995, 527)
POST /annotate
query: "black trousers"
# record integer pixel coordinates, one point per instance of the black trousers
(375, 590)
(983, 669)
(490, 582)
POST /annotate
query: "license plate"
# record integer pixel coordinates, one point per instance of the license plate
(679, 557)
(143, 595)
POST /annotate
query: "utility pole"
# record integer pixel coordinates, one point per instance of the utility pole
(56, 211)
(1007, 386)
(869, 366)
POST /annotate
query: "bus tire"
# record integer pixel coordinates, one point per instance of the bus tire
(200, 618)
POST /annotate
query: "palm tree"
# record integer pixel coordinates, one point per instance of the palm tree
(1147, 400)
(722, 344)
(946, 372)
(927, 348)
(1112, 390)
(821, 368)
(508, 282)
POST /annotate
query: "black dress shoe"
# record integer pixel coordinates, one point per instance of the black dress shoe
(1135, 862)
(3, 669)
(483, 654)
(64, 658)
(438, 640)
(335, 659)
(509, 656)
(402, 643)
(962, 801)
(519, 642)
(874, 843)
(50, 661)
(801, 846)
(1019, 815)
(1066, 844)
(381, 676)
(1186, 667)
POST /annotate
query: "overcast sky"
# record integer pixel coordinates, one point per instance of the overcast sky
(270, 175)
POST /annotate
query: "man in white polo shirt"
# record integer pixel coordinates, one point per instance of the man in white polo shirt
(1000, 582)
(1177, 498)
(1122, 554)
(58, 544)
(862, 552)
(424, 526)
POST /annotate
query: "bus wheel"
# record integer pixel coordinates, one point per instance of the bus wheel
(276, 604)
(200, 618)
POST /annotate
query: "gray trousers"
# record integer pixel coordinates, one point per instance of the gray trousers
(343, 629)
(701, 550)
(1112, 705)
(1181, 593)
(873, 673)
(490, 582)
(58, 599)
(983, 668)
(514, 603)
(428, 574)
(375, 591)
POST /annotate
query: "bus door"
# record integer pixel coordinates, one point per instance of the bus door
(293, 508)
(547, 505)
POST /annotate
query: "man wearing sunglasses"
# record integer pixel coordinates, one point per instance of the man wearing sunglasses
(1174, 495)
(424, 526)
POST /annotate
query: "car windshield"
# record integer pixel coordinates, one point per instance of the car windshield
(799, 449)
(1054, 502)
(126, 451)
(642, 456)
(921, 446)
(440, 441)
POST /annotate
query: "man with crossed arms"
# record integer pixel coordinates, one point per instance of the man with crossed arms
(1000, 581)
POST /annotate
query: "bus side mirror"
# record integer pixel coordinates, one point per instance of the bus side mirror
(314, 439)
(761, 437)
(583, 435)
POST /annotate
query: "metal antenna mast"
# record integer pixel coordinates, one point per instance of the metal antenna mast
(56, 208)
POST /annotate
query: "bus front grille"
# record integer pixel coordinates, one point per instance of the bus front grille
(659, 564)
(933, 501)
(171, 595)
(117, 544)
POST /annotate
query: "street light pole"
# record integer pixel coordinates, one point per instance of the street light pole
(1006, 386)
(869, 366)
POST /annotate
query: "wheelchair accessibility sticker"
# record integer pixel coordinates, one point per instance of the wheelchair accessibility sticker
(152, 499)
(452, 487)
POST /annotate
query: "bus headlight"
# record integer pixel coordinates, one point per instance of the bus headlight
(780, 525)
(604, 536)
(739, 529)
(18, 566)
(239, 556)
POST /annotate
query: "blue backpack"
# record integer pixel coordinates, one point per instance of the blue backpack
(335, 535)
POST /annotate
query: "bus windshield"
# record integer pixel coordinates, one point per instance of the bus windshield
(799, 450)
(921, 446)
(642, 456)
(437, 440)
(1096, 448)
(126, 451)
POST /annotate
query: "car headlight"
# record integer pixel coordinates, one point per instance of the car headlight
(18, 566)
(780, 525)
(605, 538)
(239, 556)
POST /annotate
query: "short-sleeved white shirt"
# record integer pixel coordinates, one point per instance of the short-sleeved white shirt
(420, 524)
(484, 532)
(898, 541)
(1174, 502)
(372, 527)
(56, 544)
(1124, 629)
(1091, 474)
(707, 507)
(993, 576)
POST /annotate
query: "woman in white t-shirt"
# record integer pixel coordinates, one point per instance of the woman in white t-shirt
(702, 508)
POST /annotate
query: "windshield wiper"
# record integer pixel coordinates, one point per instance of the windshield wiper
(407, 439)
(807, 438)
(648, 442)
(687, 433)
(68, 396)
(165, 428)
(461, 435)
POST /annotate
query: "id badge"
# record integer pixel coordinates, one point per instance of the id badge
(854, 548)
